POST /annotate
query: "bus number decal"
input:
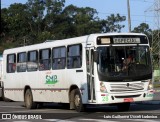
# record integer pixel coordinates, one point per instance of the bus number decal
(150, 95)
(104, 98)
(51, 79)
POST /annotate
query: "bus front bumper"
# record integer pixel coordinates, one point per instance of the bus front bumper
(109, 98)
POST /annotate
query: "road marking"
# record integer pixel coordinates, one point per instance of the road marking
(52, 120)
(11, 107)
(97, 120)
(58, 120)
(24, 111)
(21, 121)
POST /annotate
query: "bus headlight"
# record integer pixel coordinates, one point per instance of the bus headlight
(150, 85)
(103, 87)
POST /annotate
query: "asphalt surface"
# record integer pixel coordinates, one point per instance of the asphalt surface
(16, 112)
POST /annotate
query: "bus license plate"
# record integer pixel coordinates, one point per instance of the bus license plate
(128, 99)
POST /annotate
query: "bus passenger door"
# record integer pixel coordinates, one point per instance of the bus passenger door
(90, 75)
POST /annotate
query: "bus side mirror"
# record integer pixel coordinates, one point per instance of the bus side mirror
(96, 56)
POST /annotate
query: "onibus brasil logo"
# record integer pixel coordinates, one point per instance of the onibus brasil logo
(51, 79)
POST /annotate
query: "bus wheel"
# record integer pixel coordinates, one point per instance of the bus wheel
(40, 105)
(123, 106)
(78, 101)
(28, 99)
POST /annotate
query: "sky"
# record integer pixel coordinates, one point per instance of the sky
(140, 10)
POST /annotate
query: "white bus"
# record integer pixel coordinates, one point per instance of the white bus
(110, 68)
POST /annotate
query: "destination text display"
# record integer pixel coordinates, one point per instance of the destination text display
(126, 40)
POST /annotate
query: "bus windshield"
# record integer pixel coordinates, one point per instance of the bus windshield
(124, 62)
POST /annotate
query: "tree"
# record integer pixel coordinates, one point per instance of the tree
(15, 18)
(36, 12)
(4, 27)
(39, 20)
(80, 21)
(144, 28)
(111, 24)
(14, 25)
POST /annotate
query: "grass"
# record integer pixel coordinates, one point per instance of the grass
(156, 85)
(156, 82)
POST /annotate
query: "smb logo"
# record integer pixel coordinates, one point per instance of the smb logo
(6, 116)
(51, 79)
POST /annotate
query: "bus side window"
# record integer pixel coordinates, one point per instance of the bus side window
(21, 62)
(11, 63)
(74, 58)
(59, 58)
(45, 59)
(32, 64)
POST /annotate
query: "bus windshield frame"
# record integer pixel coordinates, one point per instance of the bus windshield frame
(124, 63)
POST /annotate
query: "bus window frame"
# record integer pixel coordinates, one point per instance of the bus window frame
(71, 57)
(34, 61)
(59, 58)
(18, 62)
(41, 66)
(14, 64)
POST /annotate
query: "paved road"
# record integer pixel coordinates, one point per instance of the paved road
(55, 112)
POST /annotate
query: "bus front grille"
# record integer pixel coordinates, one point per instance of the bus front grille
(126, 87)
(128, 96)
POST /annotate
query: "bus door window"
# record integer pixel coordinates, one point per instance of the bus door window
(106, 61)
(11, 63)
(90, 74)
(45, 59)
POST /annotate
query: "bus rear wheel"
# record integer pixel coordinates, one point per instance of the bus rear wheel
(123, 106)
(79, 107)
(28, 99)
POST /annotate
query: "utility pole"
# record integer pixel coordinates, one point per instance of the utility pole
(129, 17)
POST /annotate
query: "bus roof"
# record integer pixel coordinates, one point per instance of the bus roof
(63, 42)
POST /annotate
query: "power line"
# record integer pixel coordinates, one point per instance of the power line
(124, 14)
(146, 1)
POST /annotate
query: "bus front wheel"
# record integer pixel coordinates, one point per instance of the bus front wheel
(28, 99)
(123, 106)
(79, 107)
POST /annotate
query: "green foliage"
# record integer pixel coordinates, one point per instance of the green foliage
(40, 20)
(144, 28)
(111, 24)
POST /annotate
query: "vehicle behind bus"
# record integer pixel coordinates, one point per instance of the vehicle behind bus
(1, 75)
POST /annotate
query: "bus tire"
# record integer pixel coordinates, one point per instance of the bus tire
(40, 105)
(78, 105)
(28, 100)
(6, 99)
(123, 106)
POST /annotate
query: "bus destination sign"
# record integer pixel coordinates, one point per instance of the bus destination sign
(126, 40)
